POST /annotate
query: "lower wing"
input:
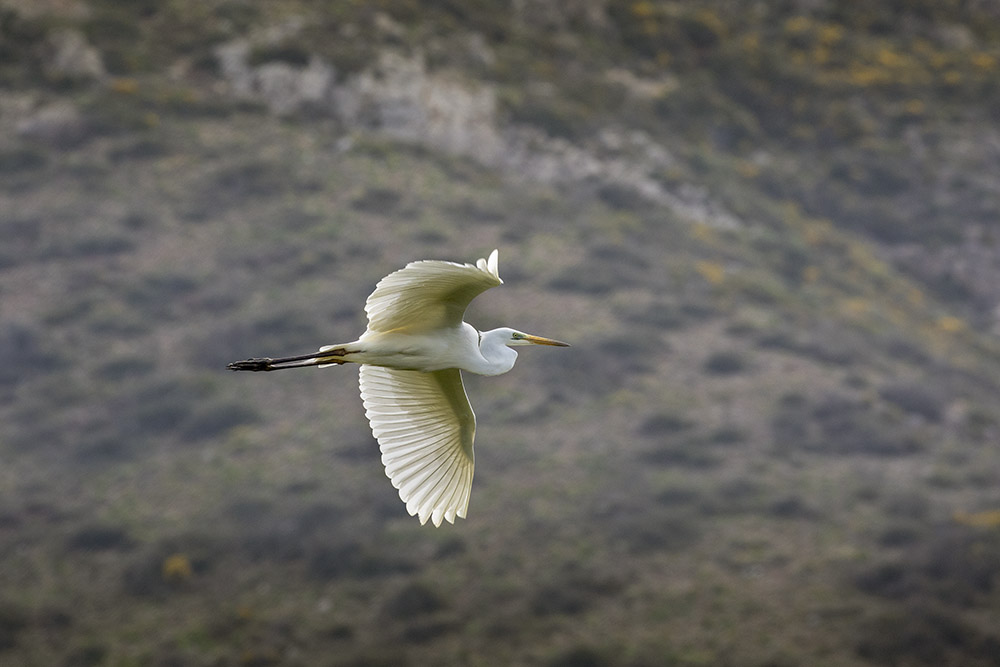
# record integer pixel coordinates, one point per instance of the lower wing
(425, 428)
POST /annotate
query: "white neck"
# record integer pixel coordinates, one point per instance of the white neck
(497, 358)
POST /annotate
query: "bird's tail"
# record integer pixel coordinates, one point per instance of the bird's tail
(328, 355)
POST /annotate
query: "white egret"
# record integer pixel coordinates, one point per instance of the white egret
(411, 358)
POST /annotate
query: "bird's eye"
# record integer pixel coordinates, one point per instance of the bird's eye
(517, 336)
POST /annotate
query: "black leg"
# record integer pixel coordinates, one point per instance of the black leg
(268, 364)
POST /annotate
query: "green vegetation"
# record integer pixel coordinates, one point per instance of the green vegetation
(779, 412)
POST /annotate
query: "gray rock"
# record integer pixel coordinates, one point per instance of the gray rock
(71, 56)
(282, 87)
(59, 125)
(286, 89)
(399, 98)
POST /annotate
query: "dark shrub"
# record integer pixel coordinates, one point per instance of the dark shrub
(842, 424)
(900, 535)
(917, 635)
(215, 420)
(689, 452)
(620, 196)
(330, 561)
(792, 507)
(88, 655)
(23, 353)
(664, 424)
(426, 630)
(572, 591)
(593, 279)
(99, 537)
(951, 565)
(666, 532)
(581, 656)
(378, 200)
(13, 620)
(725, 363)
(727, 435)
(415, 599)
(890, 580)
(918, 399)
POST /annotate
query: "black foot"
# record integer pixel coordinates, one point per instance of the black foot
(261, 364)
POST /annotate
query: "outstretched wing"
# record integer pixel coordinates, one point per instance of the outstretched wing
(429, 295)
(425, 427)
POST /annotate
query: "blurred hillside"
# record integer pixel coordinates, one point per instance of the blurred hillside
(768, 229)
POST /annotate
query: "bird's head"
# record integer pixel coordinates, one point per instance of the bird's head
(496, 347)
(520, 338)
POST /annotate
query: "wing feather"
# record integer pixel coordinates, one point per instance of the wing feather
(425, 428)
(429, 294)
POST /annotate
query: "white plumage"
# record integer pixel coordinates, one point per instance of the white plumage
(425, 427)
(429, 295)
(411, 357)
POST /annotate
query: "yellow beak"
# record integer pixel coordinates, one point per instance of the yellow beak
(538, 340)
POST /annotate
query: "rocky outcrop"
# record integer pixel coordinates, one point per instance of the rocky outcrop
(396, 96)
(282, 87)
(71, 56)
(58, 125)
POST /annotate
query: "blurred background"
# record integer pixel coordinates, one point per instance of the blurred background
(769, 231)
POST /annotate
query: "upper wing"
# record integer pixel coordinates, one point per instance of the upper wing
(425, 427)
(429, 294)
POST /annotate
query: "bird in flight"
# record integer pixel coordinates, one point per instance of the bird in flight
(411, 358)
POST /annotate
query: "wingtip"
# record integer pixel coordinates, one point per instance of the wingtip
(421, 516)
(436, 515)
(491, 265)
(494, 262)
